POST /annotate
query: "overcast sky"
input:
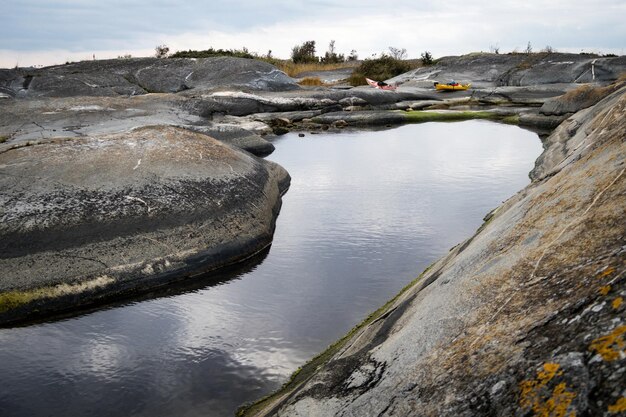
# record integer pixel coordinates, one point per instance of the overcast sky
(44, 32)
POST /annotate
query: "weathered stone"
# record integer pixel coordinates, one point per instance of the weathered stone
(138, 76)
(487, 70)
(90, 219)
(540, 120)
(236, 136)
(362, 118)
(569, 141)
(526, 316)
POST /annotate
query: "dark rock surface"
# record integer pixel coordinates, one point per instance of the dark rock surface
(237, 137)
(144, 75)
(488, 70)
(362, 118)
(525, 318)
(99, 217)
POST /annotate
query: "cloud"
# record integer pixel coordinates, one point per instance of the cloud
(77, 29)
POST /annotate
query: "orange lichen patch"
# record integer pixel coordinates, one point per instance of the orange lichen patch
(617, 302)
(611, 346)
(549, 371)
(535, 395)
(606, 272)
(618, 407)
(605, 289)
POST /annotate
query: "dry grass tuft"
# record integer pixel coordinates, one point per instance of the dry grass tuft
(588, 94)
(293, 70)
(311, 81)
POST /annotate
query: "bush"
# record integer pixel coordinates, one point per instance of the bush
(161, 51)
(427, 58)
(378, 69)
(243, 53)
(305, 53)
(397, 53)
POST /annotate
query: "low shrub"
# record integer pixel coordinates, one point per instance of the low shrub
(378, 69)
(207, 53)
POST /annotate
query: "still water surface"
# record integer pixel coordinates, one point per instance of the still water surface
(365, 214)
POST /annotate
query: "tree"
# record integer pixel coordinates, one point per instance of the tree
(529, 49)
(397, 53)
(353, 55)
(304, 53)
(161, 51)
(331, 57)
(495, 49)
(427, 58)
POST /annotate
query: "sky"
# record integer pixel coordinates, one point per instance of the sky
(46, 32)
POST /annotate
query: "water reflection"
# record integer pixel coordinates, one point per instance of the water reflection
(366, 213)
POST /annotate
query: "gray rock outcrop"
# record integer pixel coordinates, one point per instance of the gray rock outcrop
(527, 317)
(89, 219)
(144, 75)
(488, 70)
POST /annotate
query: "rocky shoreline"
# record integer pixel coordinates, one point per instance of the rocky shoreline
(122, 176)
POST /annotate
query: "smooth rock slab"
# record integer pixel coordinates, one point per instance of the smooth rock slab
(524, 318)
(143, 75)
(89, 219)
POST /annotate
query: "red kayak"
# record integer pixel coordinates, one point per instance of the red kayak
(380, 84)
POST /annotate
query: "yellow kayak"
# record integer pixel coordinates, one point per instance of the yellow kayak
(452, 86)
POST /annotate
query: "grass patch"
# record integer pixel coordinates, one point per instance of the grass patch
(307, 370)
(435, 116)
(511, 120)
(4, 138)
(591, 95)
(13, 299)
(311, 81)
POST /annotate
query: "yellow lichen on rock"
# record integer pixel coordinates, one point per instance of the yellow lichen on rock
(604, 290)
(617, 303)
(618, 407)
(533, 395)
(611, 346)
(606, 272)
